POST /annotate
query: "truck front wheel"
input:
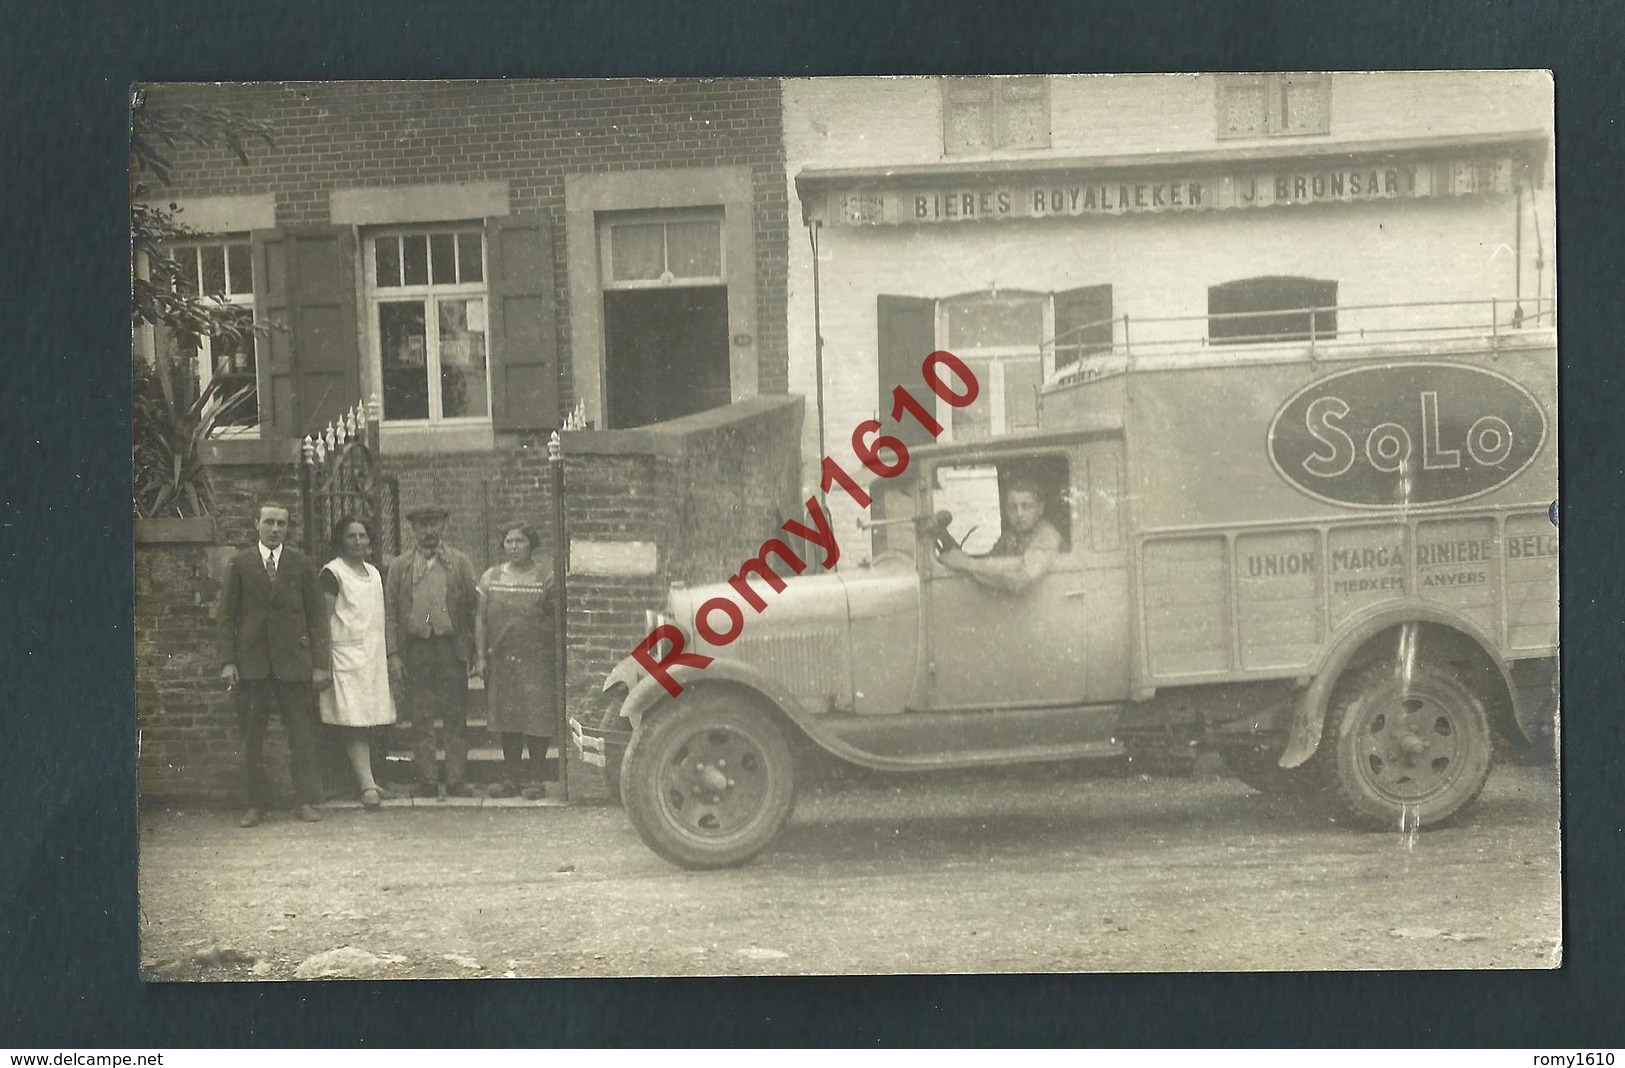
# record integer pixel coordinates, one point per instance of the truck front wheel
(709, 779)
(1401, 755)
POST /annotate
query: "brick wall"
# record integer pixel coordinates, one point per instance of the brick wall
(187, 722)
(706, 490)
(529, 134)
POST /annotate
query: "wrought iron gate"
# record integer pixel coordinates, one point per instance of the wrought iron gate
(340, 475)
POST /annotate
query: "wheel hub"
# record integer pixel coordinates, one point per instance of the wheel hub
(1410, 747)
(715, 783)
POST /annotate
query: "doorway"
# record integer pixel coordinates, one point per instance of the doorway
(666, 337)
(666, 353)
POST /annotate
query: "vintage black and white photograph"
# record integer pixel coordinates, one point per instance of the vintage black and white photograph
(808, 526)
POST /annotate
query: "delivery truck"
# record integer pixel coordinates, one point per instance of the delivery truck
(1335, 564)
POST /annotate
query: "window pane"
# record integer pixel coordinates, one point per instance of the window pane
(1021, 381)
(637, 251)
(234, 364)
(969, 126)
(1242, 107)
(214, 269)
(389, 261)
(978, 324)
(1082, 323)
(1272, 309)
(1305, 106)
(442, 258)
(463, 389)
(694, 249)
(975, 423)
(404, 350)
(240, 267)
(186, 256)
(470, 264)
(1025, 125)
(415, 253)
(971, 493)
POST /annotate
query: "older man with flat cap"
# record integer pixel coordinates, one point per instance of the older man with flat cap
(430, 598)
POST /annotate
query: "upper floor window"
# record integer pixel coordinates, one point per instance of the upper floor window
(223, 269)
(1274, 105)
(1272, 308)
(983, 114)
(427, 307)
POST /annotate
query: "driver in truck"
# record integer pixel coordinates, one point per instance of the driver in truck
(1024, 553)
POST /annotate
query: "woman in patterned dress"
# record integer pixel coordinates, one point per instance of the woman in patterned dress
(359, 698)
(515, 631)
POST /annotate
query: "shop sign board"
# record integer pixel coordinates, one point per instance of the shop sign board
(1083, 194)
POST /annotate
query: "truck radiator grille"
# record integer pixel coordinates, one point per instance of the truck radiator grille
(814, 664)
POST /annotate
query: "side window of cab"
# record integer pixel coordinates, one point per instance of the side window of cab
(977, 494)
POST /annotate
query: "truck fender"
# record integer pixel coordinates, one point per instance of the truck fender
(647, 692)
(626, 673)
(1309, 718)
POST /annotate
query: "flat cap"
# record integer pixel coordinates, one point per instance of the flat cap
(427, 511)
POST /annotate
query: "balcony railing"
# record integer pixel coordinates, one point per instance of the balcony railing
(1297, 333)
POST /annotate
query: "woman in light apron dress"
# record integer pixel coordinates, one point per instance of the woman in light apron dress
(359, 698)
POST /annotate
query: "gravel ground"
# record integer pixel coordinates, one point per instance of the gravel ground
(1048, 869)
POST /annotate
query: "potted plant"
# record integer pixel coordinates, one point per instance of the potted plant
(173, 418)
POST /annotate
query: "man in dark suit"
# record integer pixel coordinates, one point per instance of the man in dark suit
(273, 639)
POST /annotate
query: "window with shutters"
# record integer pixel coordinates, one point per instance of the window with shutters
(988, 113)
(1000, 337)
(1274, 105)
(1012, 340)
(223, 269)
(427, 303)
(1271, 308)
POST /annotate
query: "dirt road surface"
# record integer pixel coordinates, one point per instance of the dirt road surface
(1045, 869)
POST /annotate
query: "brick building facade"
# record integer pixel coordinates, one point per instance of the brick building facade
(485, 260)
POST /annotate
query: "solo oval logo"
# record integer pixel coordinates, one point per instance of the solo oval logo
(1406, 433)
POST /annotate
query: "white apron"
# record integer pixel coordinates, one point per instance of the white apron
(359, 696)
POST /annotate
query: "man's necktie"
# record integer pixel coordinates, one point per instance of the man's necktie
(270, 567)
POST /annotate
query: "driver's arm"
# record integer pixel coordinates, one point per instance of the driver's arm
(1008, 574)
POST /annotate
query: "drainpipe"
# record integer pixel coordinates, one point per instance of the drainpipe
(818, 338)
(1517, 259)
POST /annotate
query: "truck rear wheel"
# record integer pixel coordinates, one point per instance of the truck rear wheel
(1396, 756)
(708, 780)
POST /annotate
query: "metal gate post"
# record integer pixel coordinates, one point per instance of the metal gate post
(561, 568)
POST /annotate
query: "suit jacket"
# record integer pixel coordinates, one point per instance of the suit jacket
(273, 633)
(461, 596)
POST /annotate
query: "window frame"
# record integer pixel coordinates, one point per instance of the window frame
(430, 294)
(995, 86)
(1319, 320)
(202, 357)
(998, 356)
(1275, 86)
(1053, 468)
(608, 221)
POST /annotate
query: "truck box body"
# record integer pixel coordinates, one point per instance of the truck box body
(1276, 501)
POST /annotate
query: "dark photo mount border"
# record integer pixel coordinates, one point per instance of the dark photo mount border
(68, 910)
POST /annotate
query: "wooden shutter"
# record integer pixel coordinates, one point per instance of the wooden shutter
(524, 356)
(310, 364)
(908, 334)
(1082, 324)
